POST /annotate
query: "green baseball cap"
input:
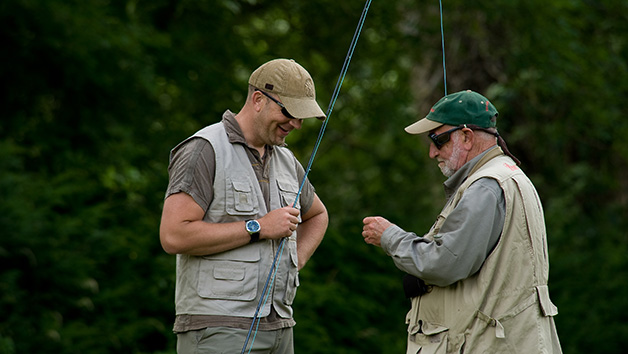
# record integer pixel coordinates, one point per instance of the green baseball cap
(464, 107)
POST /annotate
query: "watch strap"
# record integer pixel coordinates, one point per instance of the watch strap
(254, 237)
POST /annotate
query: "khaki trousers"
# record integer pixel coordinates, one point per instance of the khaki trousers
(224, 340)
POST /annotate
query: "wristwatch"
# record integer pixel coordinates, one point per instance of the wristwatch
(253, 227)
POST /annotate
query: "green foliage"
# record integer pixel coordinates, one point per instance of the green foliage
(98, 91)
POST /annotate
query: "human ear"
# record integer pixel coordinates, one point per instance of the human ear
(468, 138)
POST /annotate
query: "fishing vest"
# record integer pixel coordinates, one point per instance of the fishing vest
(231, 283)
(505, 307)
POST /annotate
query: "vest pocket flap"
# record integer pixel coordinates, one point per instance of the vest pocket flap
(287, 186)
(241, 186)
(294, 256)
(547, 307)
(431, 329)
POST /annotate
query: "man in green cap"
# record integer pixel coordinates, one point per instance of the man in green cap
(229, 203)
(478, 280)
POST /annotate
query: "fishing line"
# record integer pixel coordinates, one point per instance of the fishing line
(343, 71)
(442, 39)
(279, 253)
(273, 269)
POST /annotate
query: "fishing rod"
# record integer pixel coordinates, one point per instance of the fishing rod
(273, 270)
(442, 41)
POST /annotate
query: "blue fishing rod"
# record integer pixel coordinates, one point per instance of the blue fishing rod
(273, 270)
(442, 41)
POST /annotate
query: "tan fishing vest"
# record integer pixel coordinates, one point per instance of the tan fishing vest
(231, 283)
(504, 307)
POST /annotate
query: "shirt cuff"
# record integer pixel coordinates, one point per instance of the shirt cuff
(391, 238)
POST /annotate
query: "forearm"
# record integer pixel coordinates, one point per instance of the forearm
(183, 231)
(311, 231)
(199, 238)
(309, 236)
(416, 255)
(466, 238)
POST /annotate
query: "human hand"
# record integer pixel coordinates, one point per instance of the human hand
(279, 223)
(373, 229)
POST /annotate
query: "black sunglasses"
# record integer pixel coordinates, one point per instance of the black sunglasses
(283, 108)
(442, 138)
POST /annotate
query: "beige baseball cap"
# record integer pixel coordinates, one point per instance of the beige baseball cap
(292, 83)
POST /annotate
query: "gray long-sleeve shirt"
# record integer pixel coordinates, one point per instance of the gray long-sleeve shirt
(466, 238)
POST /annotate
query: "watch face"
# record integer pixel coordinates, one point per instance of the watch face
(252, 226)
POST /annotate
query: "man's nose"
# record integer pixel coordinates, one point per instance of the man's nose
(433, 151)
(296, 123)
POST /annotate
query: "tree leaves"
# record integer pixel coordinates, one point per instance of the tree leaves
(97, 93)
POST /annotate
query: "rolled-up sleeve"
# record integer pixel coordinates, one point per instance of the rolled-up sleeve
(191, 171)
(466, 238)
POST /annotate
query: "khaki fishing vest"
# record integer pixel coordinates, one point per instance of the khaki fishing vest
(505, 307)
(231, 283)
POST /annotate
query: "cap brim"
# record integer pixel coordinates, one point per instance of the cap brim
(422, 126)
(302, 108)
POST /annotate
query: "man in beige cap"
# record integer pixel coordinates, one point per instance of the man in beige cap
(478, 279)
(229, 202)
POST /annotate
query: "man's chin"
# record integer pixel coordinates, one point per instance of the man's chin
(446, 171)
(279, 141)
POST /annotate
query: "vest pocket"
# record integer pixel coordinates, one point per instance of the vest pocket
(288, 190)
(293, 273)
(428, 337)
(548, 308)
(224, 279)
(240, 197)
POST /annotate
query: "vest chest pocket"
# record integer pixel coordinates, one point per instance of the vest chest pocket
(241, 198)
(288, 191)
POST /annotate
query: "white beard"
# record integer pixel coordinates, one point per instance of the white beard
(450, 166)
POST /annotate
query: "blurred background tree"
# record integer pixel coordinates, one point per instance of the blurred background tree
(96, 93)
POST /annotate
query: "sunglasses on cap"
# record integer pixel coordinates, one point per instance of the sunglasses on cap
(283, 108)
(442, 138)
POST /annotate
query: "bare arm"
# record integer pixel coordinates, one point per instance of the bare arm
(183, 230)
(311, 231)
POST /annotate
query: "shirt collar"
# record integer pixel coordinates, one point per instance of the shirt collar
(234, 132)
(453, 182)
